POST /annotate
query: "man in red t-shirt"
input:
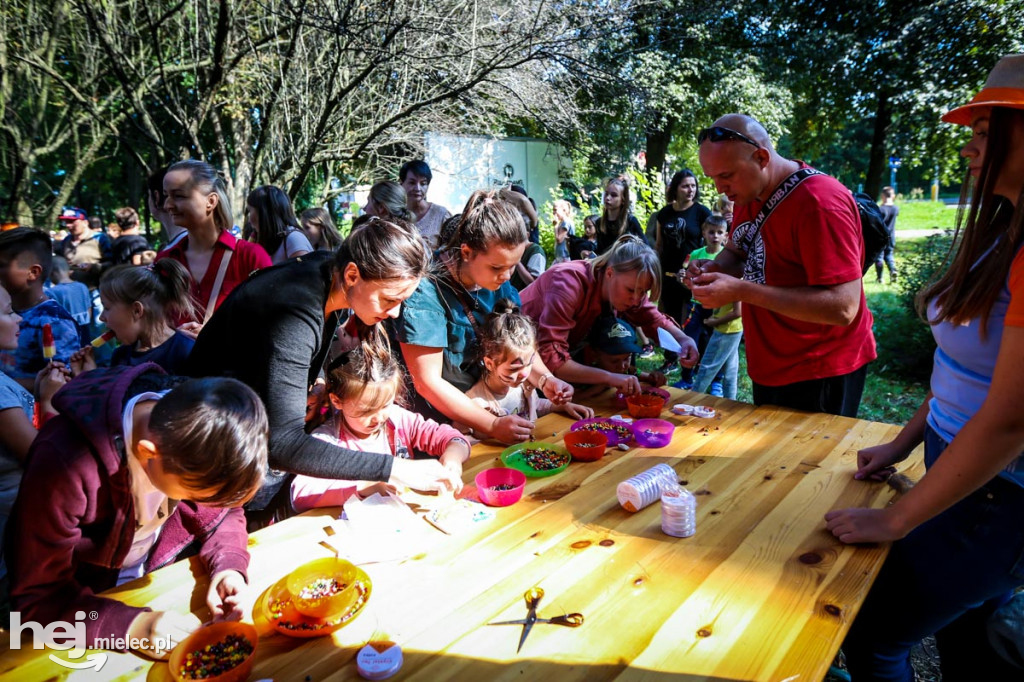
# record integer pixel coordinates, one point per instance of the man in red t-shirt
(798, 274)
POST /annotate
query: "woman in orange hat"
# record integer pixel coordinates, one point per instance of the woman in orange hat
(959, 549)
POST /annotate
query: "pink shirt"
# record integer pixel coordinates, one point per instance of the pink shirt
(405, 431)
(566, 300)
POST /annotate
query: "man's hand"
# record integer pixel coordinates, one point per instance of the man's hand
(715, 289)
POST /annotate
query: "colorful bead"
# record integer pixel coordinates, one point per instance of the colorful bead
(216, 659)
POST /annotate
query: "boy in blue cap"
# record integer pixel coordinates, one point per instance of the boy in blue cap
(612, 346)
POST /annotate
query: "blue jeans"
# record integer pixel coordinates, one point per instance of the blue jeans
(944, 578)
(721, 356)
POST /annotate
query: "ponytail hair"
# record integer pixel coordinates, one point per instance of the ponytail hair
(164, 289)
(391, 196)
(375, 379)
(506, 329)
(486, 220)
(629, 253)
(208, 181)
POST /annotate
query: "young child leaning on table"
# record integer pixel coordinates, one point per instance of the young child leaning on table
(508, 344)
(612, 346)
(136, 467)
(362, 388)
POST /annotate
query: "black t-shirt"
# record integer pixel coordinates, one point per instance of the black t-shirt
(680, 234)
(127, 245)
(605, 240)
(889, 214)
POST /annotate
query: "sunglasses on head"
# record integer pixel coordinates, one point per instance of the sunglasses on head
(720, 134)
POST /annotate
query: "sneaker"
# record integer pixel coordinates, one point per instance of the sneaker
(668, 366)
(647, 351)
(683, 384)
(716, 389)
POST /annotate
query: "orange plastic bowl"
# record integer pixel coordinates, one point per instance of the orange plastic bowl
(488, 479)
(304, 577)
(586, 446)
(207, 636)
(645, 406)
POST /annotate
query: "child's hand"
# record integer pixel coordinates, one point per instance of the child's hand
(223, 597)
(558, 391)
(82, 360)
(422, 474)
(655, 378)
(50, 379)
(379, 488)
(315, 399)
(877, 463)
(575, 410)
(453, 465)
(626, 384)
(191, 329)
(163, 630)
(712, 322)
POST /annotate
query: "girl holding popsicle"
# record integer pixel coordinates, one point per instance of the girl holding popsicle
(139, 307)
(16, 411)
(362, 388)
(508, 344)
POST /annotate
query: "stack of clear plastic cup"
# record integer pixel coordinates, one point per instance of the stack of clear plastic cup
(645, 488)
(678, 512)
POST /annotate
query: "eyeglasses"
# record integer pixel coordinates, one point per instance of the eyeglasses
(720, 134)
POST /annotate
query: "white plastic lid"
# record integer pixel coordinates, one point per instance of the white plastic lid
(376, 664)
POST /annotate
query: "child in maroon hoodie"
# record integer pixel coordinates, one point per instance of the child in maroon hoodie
(136, 467)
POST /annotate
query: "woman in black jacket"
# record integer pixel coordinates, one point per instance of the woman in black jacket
(275, 332)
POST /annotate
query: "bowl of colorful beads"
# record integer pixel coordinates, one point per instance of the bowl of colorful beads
(586, 446)
(500, 487)
(221, 652)
(620, 398)
(653, 433)
(537, 458)
(323, 587)
(644, 406)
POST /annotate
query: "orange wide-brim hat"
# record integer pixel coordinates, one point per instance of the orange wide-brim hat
(1004, 88)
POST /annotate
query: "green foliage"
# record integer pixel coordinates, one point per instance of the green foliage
(924, 215)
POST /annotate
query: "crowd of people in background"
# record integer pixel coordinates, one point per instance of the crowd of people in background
(309, 367)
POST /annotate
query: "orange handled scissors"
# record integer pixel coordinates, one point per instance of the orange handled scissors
(533, 597)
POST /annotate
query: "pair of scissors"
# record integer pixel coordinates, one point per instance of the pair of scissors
(533, 597)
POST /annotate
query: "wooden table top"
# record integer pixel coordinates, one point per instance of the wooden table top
(761, 592)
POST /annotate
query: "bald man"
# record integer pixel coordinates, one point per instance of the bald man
(797, 272)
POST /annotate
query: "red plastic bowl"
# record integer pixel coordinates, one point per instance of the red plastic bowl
(586, 446)
(487, 479)
(620, 398)
(653, 433)
(643, 406)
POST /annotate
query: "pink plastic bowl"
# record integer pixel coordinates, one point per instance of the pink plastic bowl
(487, 479)
(660, 432)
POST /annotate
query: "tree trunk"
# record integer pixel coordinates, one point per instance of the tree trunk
(657, 145)
(878, 160)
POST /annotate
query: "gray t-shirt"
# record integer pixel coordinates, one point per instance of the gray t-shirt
(296, 241)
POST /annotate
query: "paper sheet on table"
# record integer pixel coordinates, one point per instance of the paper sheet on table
(668, 342)
(381, 528)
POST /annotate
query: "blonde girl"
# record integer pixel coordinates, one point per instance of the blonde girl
(139, 306)
(616, 218)
(508, 346)
(363, 388)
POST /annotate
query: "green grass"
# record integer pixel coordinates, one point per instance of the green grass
(925, 215)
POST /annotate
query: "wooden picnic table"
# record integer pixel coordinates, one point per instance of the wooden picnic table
(761, 592)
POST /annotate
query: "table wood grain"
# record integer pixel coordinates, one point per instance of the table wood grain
(761, 592)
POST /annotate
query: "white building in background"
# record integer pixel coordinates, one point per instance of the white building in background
(461, 164)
